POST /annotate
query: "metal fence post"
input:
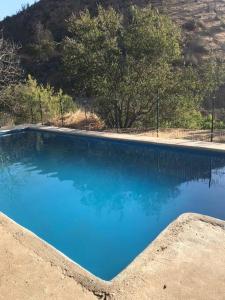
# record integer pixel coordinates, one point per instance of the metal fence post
(41, 112)
(213, 117)
(85, 114)
(157, 128)
(61, 111)
(32, 115)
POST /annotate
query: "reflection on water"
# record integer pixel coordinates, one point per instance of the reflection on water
(102, 202)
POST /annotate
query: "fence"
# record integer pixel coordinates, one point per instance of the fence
(218, 136)
(89, 121)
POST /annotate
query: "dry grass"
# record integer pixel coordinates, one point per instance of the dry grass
(6, 121)
(79, 120)
(178, 133)
(194, 134)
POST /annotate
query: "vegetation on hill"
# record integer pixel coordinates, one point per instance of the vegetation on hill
(124, 62)
(40, 28)
(25, 100)
(202, 25)
(127, 64)
(29, 102)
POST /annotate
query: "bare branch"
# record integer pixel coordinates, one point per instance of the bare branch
(10, 71)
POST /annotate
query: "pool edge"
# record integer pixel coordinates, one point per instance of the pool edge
(173, 143)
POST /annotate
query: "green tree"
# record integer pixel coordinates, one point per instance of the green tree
(213, 78)
(123, 61)
(43, 46)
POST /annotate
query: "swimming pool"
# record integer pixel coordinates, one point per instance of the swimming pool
(101, 202)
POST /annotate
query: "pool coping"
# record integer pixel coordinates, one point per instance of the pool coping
(128, 276)
(173, 143)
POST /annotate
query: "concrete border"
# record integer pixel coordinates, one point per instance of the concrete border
(101, 288)
(173, 143)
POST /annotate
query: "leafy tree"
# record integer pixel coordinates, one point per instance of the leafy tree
(213, 77)
(184, 99)
(44, 46)
(212, 74)
(130, 64)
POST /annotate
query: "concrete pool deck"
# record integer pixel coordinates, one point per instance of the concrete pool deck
(186, 261)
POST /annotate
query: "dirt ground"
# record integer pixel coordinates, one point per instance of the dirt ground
(185, 262)
(194, 134)
(25, 275)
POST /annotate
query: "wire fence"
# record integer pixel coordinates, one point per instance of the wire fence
(89, 121)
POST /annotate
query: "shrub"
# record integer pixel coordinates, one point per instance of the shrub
(30, 102)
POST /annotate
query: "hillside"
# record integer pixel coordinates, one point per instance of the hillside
(40, 27)
(203, 20)
(52, 14)
(203, 24)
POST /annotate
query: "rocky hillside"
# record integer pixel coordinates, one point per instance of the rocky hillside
(203, 22)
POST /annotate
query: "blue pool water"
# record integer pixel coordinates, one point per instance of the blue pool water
(102, 202)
